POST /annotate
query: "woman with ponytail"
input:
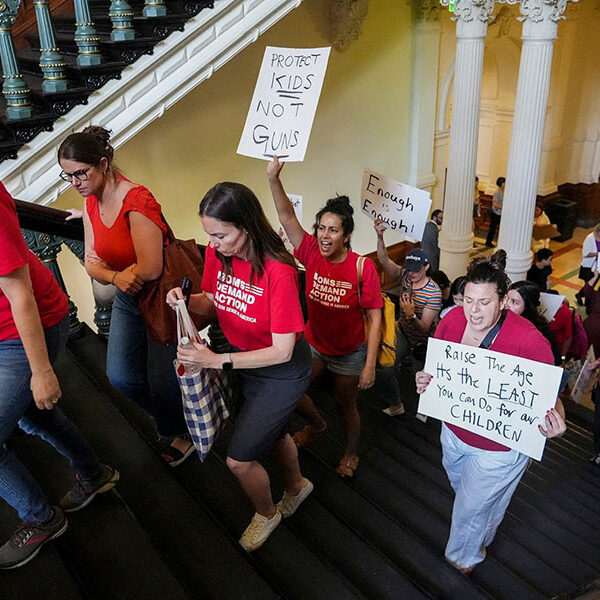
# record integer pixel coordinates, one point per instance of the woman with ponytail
(124, 240)
(484, 474)
(335, 328)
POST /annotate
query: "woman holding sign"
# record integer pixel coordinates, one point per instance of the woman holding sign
(335, 328)
(484, 474)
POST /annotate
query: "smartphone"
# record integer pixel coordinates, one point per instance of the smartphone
(186, 288)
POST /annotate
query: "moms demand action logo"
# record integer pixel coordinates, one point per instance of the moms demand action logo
(235, 295)
(329, 292)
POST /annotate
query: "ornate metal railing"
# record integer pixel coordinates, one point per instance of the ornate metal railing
(46, 232)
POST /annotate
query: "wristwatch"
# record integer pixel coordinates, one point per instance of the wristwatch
(227, 364)
(413, 317)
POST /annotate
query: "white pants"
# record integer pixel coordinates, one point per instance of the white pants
(484, 482)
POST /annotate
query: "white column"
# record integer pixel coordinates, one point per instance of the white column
(425, 63)
(456, 237)
(540, 23)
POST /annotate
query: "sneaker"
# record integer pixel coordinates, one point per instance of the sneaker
(595, 460)
(85, 490)
(28, 539)
(395, 410)
(258, 531)
(289, 504)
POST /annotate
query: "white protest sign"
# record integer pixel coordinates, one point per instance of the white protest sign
(587, 377)
(498, 396)
(297, 204)
(549, 305)
(403, 208)
(284, 103)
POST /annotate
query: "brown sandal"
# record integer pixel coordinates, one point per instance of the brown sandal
(347, 466)
(306, 436)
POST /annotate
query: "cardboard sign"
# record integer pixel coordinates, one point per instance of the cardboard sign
(587, 378)
(549, 305)
(543, 232)
(403, 208)
(284, 103)
(498, 396)
(297, 204)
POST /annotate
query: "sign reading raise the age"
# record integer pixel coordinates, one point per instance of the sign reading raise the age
(498, 396)
(403, 208)
(284, 103)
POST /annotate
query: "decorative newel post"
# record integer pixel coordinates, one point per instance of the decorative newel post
(456, 238)
(121, 15)
(86, 37)
(154, 8)
(15, 90)
(540, 25)
(51, 60)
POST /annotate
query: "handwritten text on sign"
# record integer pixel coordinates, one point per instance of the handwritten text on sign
(403, 208)
(284, 103)
(498, 396)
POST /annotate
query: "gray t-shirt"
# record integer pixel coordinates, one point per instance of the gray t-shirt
(499, 198)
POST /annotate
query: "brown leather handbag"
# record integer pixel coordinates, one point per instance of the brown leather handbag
(181, 258)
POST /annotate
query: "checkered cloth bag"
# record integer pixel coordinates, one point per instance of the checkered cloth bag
(204, 392)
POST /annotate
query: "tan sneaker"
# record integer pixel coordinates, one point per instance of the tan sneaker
(258, 531)
(289, 504)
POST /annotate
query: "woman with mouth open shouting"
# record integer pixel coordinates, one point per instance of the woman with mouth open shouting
(484, 474)
(335, 328)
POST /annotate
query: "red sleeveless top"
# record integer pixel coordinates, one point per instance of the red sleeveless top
(114, 244)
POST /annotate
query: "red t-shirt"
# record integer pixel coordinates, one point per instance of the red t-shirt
(335, 325)
(517, 337)
(249, 313)
(114, 244)
(562, 325)
(14, 254)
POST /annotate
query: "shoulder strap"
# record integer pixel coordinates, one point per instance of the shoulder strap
(170, 234)
(493, 332)
(359, 270)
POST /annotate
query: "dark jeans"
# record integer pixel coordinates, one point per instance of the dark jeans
(142, 369)
(494, 222)
(596, 401)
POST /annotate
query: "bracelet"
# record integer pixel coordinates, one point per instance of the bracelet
(113, 277)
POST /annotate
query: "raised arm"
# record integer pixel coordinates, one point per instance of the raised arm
(387, 264)
(285, 211)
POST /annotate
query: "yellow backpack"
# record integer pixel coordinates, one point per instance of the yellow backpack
(386, 355)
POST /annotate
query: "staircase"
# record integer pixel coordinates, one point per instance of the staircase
(171, 533)
(128, 82)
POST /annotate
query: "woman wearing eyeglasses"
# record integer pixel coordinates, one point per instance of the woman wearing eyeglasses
(124, 239)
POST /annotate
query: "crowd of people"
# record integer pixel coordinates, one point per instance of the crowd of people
(274, 354)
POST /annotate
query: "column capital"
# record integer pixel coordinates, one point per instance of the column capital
(426, 10)
(472, 17)
(540, 18)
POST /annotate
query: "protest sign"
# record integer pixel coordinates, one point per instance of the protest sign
(403, 208)
(297, 204)
(284, 103)
(587, 377)
(498, 396)
(549, 305)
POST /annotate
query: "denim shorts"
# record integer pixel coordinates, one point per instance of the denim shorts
(348, 364)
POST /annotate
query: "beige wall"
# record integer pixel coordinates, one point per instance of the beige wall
(361, 121)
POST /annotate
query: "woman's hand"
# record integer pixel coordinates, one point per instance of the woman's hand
(379, 228)
(173, 296)
(127, 281)
(45, 389)
(74, 213)
(274, 168)
(200, 355)
(407, 305)
(422, 380)
(367, 378)
(555, 424)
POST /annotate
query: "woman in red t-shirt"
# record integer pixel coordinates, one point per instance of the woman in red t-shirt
(335, 328)
(251, 281)
(124, 239)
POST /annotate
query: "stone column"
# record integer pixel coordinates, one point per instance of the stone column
(540, 23)
(456, 237)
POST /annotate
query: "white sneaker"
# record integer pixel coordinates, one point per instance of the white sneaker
(395, 410)
(289, 504)
(258, 531)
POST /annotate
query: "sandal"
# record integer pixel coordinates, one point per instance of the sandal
(347, 466)
(174, 457)
(306, 436)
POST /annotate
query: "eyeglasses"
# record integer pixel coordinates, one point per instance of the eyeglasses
(80, 175)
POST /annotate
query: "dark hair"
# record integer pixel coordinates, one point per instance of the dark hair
(500, 181)
(436, 212)
(340, 206)
(90, 146)
(490, 270)
(441, 279)
(540, 206)
(543, 254)
(476, 178)
(458, 286)
(237, 204)
(530, 293)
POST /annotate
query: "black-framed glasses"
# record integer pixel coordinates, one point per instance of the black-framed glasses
(80, 175)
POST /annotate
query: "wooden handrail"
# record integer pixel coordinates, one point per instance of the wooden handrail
(48, 220)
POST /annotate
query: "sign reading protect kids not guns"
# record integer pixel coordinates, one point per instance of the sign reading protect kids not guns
(284, 103)
(403, 208)
(498, 396)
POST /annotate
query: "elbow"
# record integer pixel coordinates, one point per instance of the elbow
(148, 273)
(284, 355)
